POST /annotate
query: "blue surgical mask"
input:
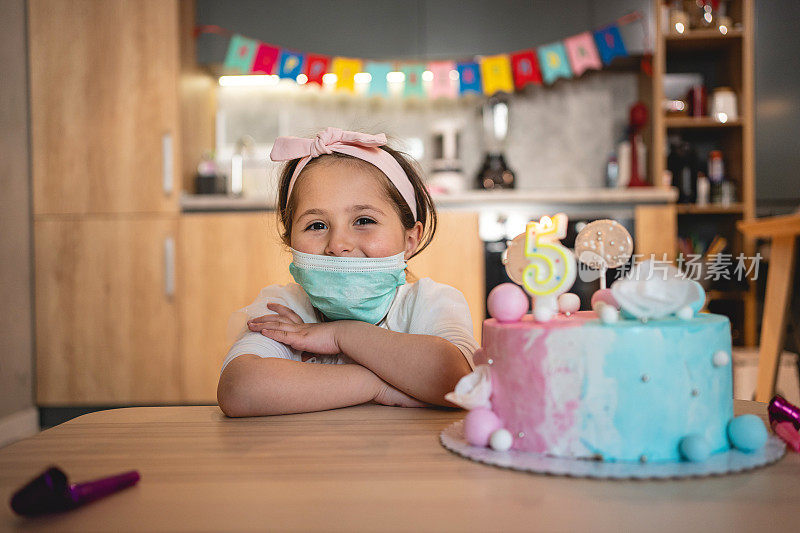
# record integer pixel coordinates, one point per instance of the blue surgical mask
(349, 288)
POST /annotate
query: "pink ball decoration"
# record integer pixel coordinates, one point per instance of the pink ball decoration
(604, 296)
(569, 302)
(507, 302)
(479, 424)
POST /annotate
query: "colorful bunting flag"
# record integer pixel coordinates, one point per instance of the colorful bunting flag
(378, 86)
(609, 43)
(553, 62)
(266, 59)
(582, 53)
(491, 74)
(346, 69)
(442, 85)
(413, 84)
(240, 54)
(496, 74)
(525, 67)
(291, 65)
(316, 67)
(469, 78)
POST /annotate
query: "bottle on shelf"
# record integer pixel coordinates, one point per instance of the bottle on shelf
(682, 163)
(716, 175)
(703, 188)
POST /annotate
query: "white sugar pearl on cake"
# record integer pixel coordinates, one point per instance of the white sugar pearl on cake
(501, 440)
(685, 313)
(608, 315)
(721, 358)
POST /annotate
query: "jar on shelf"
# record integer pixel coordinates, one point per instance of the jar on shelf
(723, 104)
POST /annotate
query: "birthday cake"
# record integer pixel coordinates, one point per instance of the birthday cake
(643, 377)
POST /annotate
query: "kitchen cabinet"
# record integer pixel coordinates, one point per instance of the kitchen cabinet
(104, 106)
(455, 258)
(225, 259)
(105, 182)
(105, 311)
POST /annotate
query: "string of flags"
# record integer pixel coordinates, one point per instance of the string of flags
(565, 59)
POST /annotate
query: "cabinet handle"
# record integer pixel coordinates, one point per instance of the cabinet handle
(169, 267)
(167, 160)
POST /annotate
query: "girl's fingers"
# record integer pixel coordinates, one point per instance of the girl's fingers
(284, 311)
(280, 335)
(281, 326)
(258, 324)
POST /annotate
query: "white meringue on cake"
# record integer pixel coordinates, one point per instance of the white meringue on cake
(656, 291)
(473, 390)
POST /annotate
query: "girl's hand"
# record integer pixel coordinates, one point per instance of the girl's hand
(388, 395)
(287, 327)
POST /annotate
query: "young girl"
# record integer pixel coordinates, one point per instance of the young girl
(353, 212)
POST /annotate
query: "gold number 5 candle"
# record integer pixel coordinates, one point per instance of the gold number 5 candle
(551, 266)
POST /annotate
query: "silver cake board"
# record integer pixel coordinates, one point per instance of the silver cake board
(719, 464)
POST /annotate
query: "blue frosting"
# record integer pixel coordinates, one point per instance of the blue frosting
(665, 384)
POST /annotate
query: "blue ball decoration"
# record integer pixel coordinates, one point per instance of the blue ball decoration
(694, 448)
(747, 433)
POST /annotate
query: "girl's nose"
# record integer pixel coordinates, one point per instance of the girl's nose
(339, 244)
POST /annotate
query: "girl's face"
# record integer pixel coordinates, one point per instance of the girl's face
(342, 210)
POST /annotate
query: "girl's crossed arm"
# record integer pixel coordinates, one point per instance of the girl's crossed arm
(254, 386)
(423, 366)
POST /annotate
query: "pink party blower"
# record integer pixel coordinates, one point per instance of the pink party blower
(50, 492)
(789, 435)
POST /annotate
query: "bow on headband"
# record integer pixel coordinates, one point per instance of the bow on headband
(361, 145)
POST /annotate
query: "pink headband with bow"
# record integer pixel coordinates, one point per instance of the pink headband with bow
(360, 145)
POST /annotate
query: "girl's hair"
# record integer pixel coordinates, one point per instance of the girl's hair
(426, 212)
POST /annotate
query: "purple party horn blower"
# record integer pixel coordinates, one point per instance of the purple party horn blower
(780, 410)
(51, 492)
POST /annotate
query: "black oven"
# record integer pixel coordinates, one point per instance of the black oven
(496, 273)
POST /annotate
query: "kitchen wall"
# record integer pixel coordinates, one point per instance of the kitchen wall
(560, 136)
(417, 29)
(777, 105)
(18, 417)
(431, 29)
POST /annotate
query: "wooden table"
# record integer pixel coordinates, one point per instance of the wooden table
(365, 468)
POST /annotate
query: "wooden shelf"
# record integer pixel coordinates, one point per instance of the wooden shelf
(710, 209)
(702, 35)
(723, 60)
(703, 39)
(699, 122)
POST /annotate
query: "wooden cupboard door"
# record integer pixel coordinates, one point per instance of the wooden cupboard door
(104, 106)
(656, 232)
(105, 323)
(225, 260)
(455, 257)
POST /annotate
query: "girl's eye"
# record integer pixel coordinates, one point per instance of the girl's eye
(362, 221)
(316, 226)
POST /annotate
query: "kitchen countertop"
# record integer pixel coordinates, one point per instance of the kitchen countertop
(473, 200)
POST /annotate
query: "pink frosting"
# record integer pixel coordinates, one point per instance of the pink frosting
(521, 380)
